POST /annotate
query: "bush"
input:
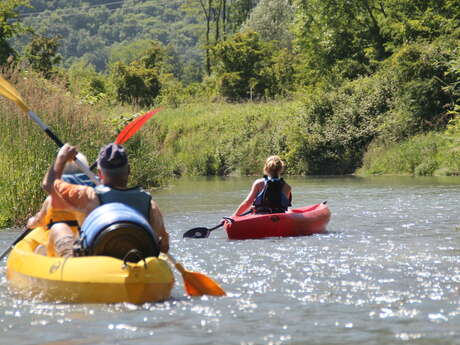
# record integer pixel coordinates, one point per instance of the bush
(423, 154)
(336, 126)
(249, 68)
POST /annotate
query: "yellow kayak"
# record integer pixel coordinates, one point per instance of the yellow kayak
(90, 279)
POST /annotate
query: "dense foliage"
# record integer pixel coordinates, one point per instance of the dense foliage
(345, 39)
(9, 27)
(247, 68)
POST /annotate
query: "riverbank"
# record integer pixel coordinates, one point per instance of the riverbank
(214, 138)
(430, 154)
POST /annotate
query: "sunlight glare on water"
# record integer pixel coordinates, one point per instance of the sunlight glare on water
(386, 273)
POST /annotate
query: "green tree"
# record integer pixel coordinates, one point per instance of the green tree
(10, 26)
(42, 54)
(136, 84)
(345, 39)
(272, 20)
(139, 82)
(127, 52)
(247, 67)
(90, 85)
(239, 11)
(89, 29)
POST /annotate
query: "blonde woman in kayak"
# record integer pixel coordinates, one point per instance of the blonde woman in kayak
(270, 194)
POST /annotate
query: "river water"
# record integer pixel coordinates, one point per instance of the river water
(388, 272)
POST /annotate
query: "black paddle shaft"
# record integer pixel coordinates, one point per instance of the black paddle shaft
(19, 238)
(54, 137)
(201, 232)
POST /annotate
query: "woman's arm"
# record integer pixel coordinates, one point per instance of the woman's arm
(39, 217)
(287, 190)
(257, 186)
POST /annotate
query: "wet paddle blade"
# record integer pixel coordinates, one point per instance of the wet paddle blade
(134, 126)
(7, 90)
(198, 284)
(197, 233)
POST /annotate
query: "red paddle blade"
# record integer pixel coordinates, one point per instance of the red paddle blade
(134, 126)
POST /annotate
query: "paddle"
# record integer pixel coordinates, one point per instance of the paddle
(134, 126)
(131, 129)
(7, 90)
(197, 284)
(201, 232)
(23, 234)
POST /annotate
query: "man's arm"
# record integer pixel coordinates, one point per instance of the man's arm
(76, 197)
(156, 222)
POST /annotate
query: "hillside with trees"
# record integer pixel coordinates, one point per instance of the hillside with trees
(101, 32)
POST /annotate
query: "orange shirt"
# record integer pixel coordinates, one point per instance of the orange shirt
(76, 197)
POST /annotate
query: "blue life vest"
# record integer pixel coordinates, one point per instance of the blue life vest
(80, 179)
(136, 198)
(272, 199)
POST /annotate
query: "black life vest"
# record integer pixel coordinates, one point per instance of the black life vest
(272, 199)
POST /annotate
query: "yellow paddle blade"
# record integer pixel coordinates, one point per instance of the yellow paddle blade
(7, 90)
(198, 284)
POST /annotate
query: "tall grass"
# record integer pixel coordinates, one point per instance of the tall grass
(222, 138)
(26, 152)
(320, 133)
(436, 153)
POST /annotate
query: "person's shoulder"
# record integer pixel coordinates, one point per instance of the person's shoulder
(287, 187)
(258, 184)
(145, 191)
(259, 181)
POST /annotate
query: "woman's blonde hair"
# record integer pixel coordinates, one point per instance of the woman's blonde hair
(274, 166)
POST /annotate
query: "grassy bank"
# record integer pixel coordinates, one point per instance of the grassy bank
(222, 138)
(436, 153)
(321, 132)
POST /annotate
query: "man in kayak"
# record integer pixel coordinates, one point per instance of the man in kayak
(270, 194)
(113, 170)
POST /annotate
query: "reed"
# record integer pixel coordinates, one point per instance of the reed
(422, 155)
(26, 153)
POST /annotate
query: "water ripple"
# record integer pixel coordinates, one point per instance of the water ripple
(388, 272)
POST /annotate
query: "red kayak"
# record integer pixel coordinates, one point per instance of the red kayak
(295, 222)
